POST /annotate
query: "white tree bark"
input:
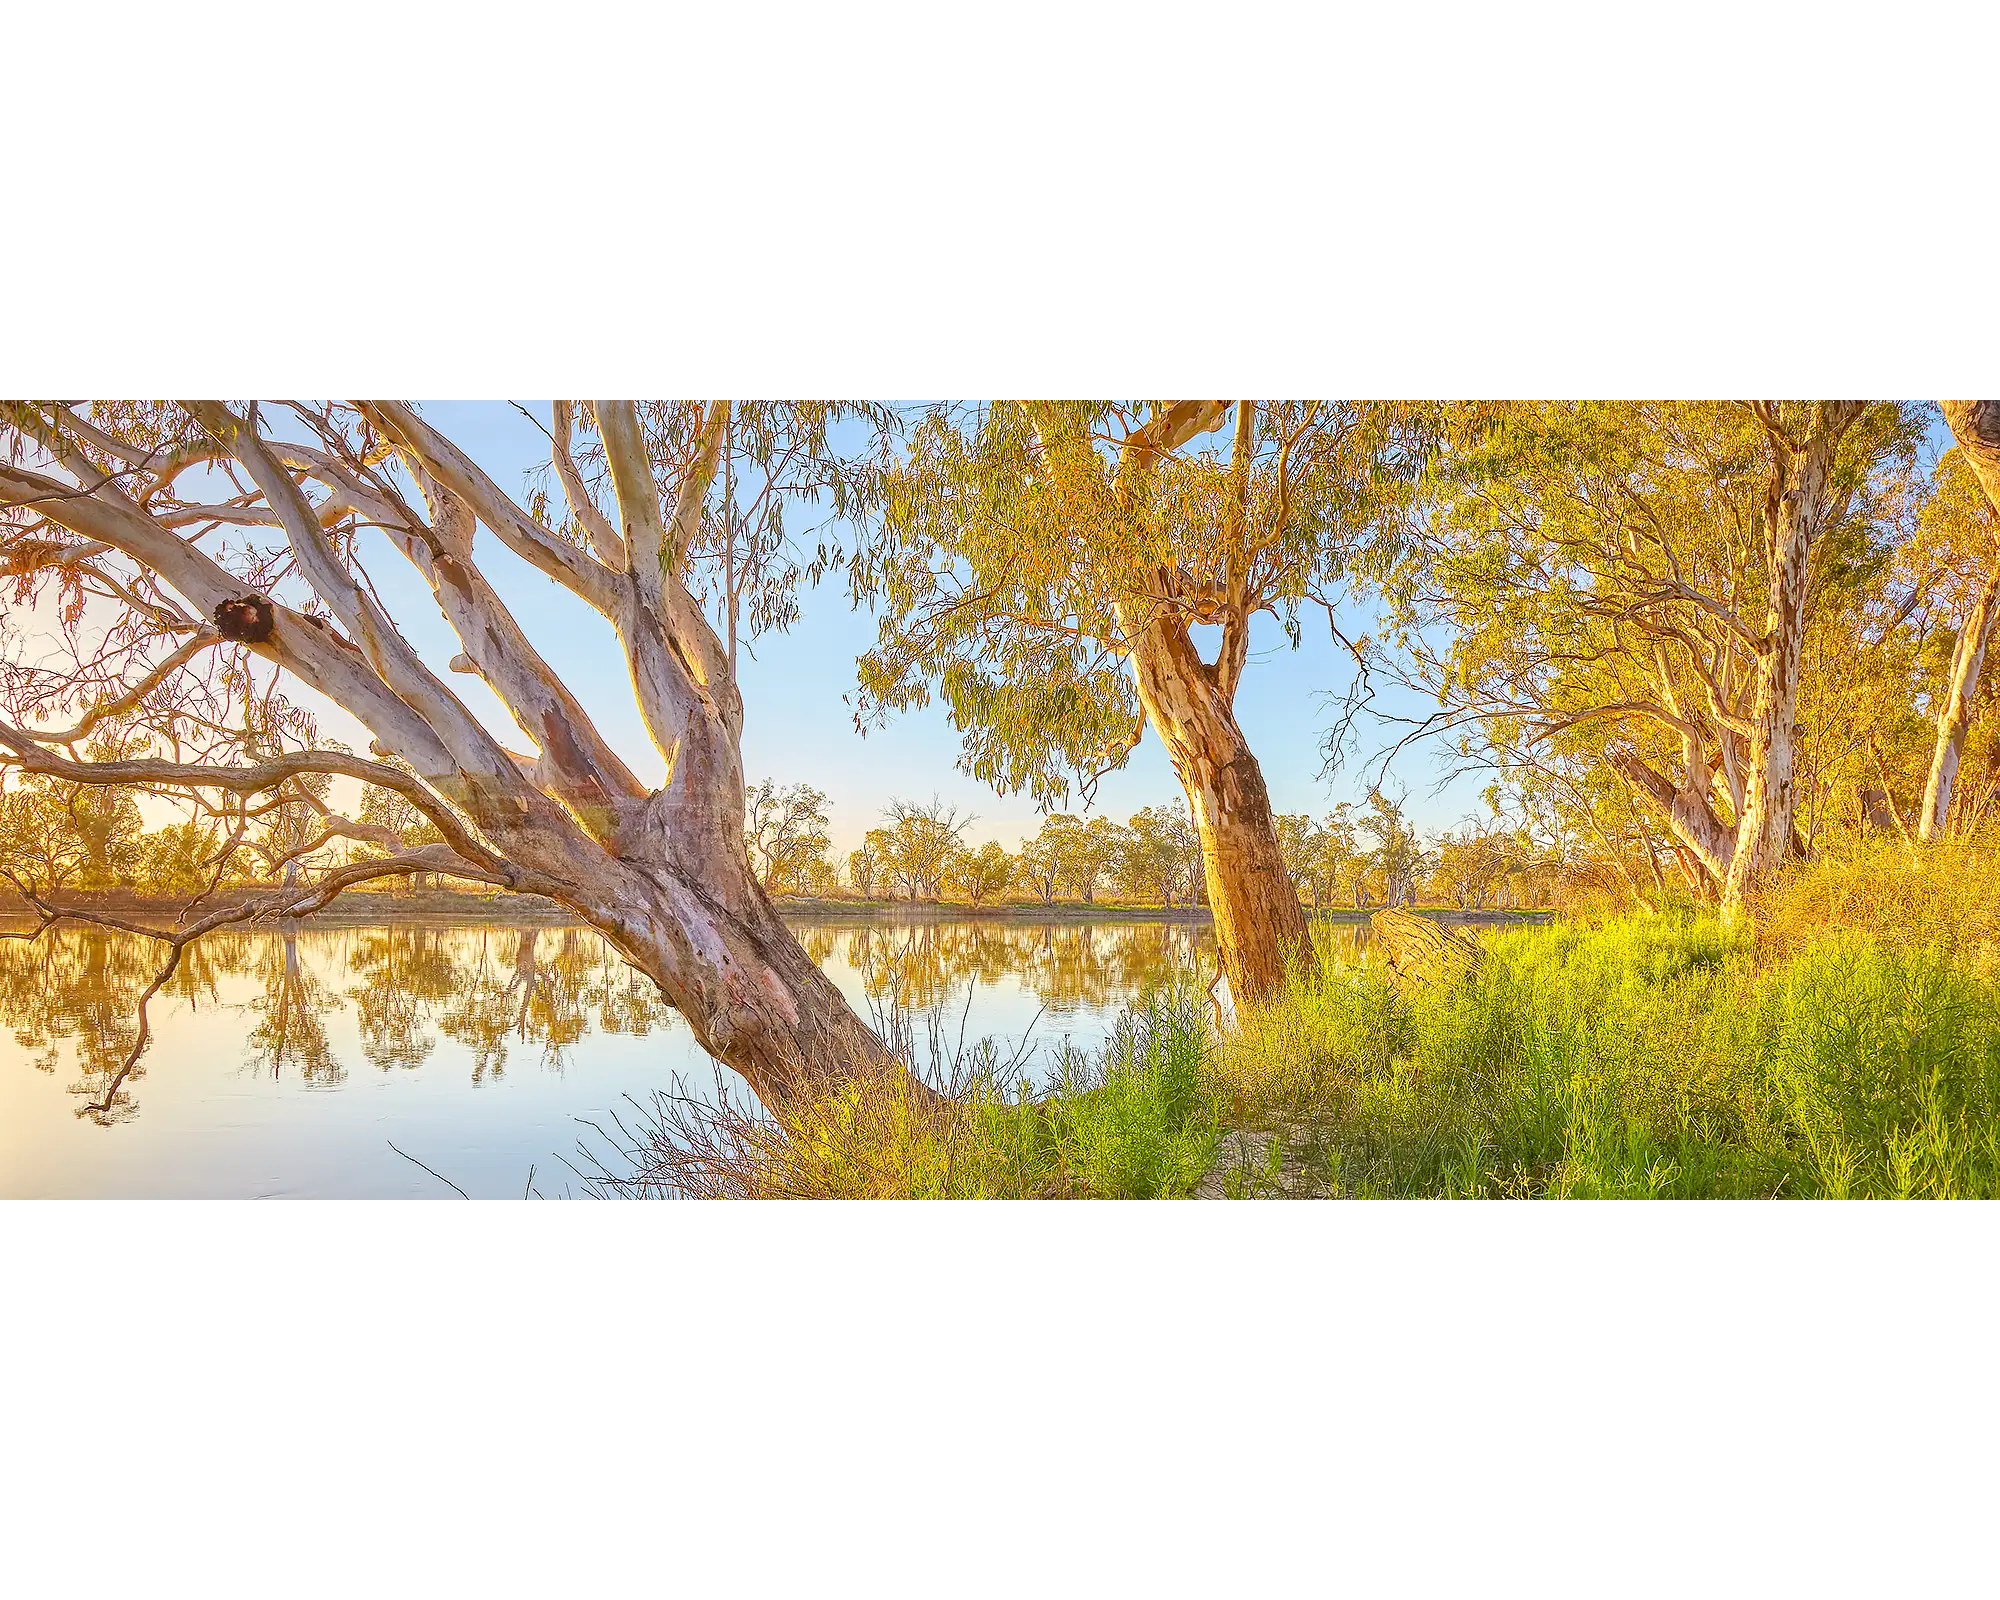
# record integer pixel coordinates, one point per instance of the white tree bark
(1764, 830)
(1976, 426)
(662, 873)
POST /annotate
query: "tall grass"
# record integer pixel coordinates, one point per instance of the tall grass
(1944, 895)
(1130, 1121)
(1660, 1056)
(1848, 1046)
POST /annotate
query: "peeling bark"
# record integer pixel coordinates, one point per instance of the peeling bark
(1954, 717)
(1976, 426)
(1260, 927)
(662, 875)
(1700, 835)
(1764, 828)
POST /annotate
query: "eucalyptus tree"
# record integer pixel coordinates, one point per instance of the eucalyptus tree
(918, 843)
(1631, 584)
(1320, 854)
(1298, 842)
(41, 850)
(1333, 862)
(1054, 571)
(1149, 865)
(748, 554)
(1040, 867)
(1969, 507)
(980, 875)
(1471, 863)
(201, 532)
(178, 859)
(864, 865)
(1075, 854)
(1396, 852)
(56, 835)
(1160, 858)
(788, 834)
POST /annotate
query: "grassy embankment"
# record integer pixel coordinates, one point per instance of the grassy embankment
(1848, 1045)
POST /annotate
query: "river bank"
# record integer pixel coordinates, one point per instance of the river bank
(454, 906)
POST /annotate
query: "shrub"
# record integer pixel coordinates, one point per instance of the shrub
(1945, 894)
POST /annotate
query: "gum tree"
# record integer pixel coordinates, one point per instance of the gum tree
(1971, 513)
(1628, 586)
(201, 555)
(1068, 574)
(788, 834)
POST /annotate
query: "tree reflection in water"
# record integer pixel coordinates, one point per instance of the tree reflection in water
(291, 1006)
(79, 987)
(1066, 965)
(70, 997)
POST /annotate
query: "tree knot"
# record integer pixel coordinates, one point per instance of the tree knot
(248, 619)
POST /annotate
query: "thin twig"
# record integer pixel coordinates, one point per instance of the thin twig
(441, 1178)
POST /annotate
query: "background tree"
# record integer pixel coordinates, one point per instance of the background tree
(1393, 849)
(1044, 566)
(863, 865)
(917, 844)
(1040, 866)
(108, 826)
(980, 875)
(787, 834)
(41, 850)
(1634, 583)
(1470, 863)
(1159, 856)
(390, 823)
(1336, 859)
(1082, 854)
(1294, 836)
(178, 859)
(1320, 855)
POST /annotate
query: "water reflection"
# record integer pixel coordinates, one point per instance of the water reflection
(1068, 966)
(291, 1006)
(314, 1005)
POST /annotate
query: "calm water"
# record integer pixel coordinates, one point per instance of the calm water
(285, 1065)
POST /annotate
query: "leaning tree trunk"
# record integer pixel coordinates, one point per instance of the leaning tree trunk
(1260, 927)
(1955, 715)
(662, 874)
(1976, 426)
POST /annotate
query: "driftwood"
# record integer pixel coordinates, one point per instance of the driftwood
(1418, 950)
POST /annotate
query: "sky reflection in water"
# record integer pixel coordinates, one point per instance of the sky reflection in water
(285, 1065)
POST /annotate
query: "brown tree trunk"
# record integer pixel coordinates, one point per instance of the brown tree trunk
(752, 996)
(1260, 927)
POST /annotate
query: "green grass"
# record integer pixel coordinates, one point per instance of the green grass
(1136, 1122)
(1133, 1121)
(1646, 1057)
(1849, 1046)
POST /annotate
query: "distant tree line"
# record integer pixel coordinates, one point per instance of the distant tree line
(1357, 856)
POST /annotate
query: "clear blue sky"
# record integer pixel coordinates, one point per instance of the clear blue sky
(799, 722)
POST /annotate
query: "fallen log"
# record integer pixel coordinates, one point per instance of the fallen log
(1419, 950)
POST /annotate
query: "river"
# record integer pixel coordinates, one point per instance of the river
(290, 1064)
